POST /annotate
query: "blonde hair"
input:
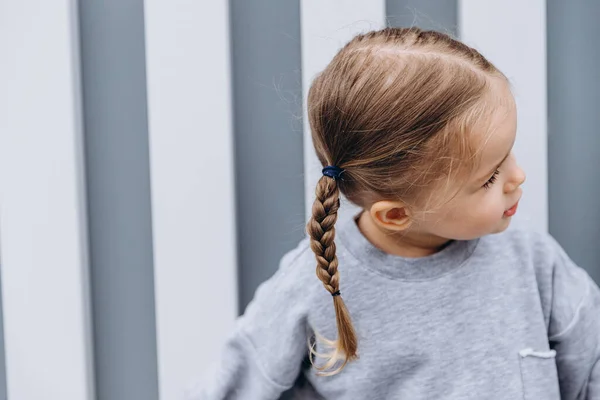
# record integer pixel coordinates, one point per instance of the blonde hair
(393, 110)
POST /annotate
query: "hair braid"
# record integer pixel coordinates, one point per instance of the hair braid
(321, 229)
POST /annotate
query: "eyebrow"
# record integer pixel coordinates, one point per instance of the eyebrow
(487, 176)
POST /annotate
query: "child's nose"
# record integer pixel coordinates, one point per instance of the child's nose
(517, 180)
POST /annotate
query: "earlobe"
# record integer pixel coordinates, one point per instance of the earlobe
(391, 215)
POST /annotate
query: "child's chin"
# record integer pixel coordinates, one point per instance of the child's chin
(505, 223)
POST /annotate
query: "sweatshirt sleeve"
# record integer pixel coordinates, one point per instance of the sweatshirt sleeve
(574, 328)
(263, 355)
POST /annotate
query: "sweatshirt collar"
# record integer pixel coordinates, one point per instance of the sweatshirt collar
(451, 257)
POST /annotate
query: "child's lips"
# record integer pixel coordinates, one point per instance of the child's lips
(511, 211)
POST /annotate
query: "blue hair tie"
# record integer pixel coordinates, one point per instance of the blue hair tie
(333, 171)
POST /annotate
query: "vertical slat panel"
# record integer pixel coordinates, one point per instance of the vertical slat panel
(326, 27)
(512, 34)
(43, 209)
(118, 188)
(191, 153)
(269, 164)
(573, 139)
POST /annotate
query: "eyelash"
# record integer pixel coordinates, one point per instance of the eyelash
(492, 180)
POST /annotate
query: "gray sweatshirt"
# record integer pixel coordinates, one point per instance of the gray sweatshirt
(506, 316)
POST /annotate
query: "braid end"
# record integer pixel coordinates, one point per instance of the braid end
(339, 352)
(346, 343)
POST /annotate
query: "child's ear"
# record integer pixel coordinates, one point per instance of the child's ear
(391, 215)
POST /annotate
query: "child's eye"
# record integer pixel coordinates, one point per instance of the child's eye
(492, 180)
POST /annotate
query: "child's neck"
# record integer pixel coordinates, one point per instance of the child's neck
(407, 244)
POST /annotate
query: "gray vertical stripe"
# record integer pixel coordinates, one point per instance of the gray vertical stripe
(267, 100)
(573, 121)
(440, 15)
(118, 188)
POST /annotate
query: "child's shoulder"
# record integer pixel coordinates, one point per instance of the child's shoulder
(297, 267)
(533, 253)
(298, 255)
(538, 252)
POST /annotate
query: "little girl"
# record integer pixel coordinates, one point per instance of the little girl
(432, 297)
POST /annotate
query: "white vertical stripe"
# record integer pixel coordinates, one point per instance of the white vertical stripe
(43, 208)
(189, 103)
(326, 27)
(512, 35)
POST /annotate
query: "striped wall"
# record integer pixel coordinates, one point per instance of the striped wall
(155, 165)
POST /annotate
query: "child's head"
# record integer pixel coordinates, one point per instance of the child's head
(422, 127)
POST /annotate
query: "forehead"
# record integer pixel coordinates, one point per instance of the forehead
(489, 137)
